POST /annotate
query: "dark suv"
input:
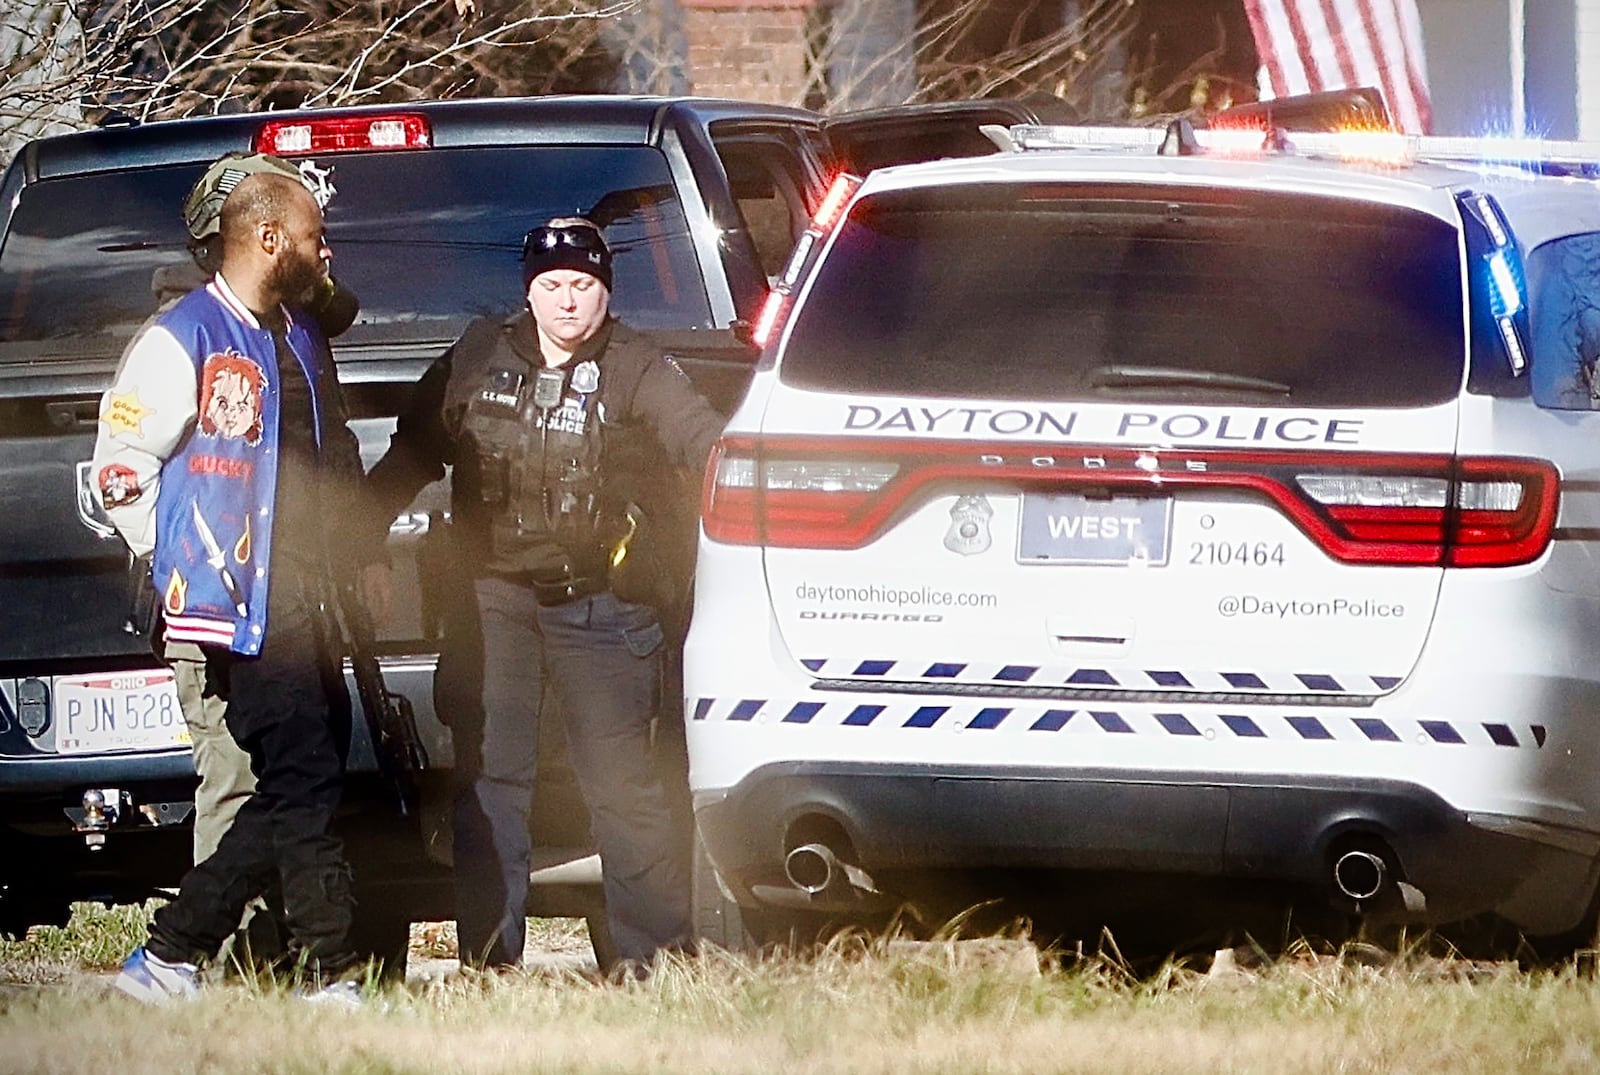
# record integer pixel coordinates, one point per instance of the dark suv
(701, 200)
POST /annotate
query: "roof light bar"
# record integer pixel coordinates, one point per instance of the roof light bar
(1036, 137)
(1361, 145)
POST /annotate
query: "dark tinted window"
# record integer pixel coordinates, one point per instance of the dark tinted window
(1072, 291)
(1564, 303)
(426, 239)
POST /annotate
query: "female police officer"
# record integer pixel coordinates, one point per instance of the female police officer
(541, 417)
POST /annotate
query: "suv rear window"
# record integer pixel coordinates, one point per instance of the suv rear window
(1078, 291)
(427, 240)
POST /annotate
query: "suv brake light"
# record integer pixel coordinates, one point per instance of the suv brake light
(344, 134)
(1359, 508)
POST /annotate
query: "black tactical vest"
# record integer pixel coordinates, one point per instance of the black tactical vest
(535, 437)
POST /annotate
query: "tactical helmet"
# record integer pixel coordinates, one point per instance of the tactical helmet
(202, 209)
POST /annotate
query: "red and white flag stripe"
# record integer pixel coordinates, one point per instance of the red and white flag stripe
(1308, 46)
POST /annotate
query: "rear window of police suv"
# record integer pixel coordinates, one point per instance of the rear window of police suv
(1078, 291)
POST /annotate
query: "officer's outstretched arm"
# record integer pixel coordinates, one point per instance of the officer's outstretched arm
(424, 441)
(685, 423)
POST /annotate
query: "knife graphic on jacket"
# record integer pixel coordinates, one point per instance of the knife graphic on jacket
(218, 559)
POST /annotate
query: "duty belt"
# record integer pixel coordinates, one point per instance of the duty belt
(564, 589)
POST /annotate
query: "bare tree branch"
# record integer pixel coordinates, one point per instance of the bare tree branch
(64, 63)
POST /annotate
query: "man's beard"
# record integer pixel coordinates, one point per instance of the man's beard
(293, 277)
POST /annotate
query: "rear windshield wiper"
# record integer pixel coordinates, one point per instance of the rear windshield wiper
(1173, 377)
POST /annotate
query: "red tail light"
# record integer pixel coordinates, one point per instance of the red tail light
(833, 203)
(841, 493)
(344, 134)
(772, 311)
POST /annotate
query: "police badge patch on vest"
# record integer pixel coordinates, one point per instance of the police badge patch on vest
(573, 414)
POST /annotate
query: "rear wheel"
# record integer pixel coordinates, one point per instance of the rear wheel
(721, 921)
(717, 919)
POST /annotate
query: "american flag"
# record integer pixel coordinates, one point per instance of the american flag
(1308, 46)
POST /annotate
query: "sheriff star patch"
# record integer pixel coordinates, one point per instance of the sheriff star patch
(125, 414)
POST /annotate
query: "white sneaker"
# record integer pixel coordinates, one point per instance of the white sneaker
(153, 980)
(344, 994)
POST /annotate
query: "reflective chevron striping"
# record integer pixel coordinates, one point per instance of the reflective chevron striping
(1203, 723)
(1141, 679)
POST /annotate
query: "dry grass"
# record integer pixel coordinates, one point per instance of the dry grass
(860, 1006)
(97, 938)
(554, 936)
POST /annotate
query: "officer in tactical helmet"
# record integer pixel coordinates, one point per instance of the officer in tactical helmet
(552, 420)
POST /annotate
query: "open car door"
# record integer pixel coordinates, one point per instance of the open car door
(903, 134)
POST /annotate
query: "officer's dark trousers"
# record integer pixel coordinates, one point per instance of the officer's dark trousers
(282, 709)
(601, 658)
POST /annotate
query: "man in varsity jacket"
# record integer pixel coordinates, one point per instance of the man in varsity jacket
(223, 450)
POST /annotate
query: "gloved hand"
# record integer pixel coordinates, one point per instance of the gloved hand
(333, 305)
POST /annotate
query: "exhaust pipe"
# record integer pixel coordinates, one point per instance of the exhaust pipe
(811, 867)
(1360, 875)
(814, 869)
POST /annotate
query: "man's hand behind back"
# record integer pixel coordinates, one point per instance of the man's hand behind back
(377, 593)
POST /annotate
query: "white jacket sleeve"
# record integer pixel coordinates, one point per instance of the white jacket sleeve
(145, 415)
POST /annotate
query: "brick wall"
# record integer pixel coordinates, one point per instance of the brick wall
(751, 49)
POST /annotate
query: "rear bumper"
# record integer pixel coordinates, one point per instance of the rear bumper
(900, 820)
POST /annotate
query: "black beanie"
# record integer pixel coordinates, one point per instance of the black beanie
(566, 243)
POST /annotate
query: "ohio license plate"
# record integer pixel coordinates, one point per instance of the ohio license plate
(1066, 529)
(118, 711)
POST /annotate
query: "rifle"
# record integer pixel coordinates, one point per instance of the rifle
(391, 723)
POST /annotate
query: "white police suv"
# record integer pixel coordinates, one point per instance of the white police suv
(1202, 507)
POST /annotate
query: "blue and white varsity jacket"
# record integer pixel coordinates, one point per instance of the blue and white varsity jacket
(186, 459)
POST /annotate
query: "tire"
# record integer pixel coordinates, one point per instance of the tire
(717, 919)
(721, 921)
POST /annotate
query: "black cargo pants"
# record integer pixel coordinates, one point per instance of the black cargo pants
(601, 657)
(289, 710)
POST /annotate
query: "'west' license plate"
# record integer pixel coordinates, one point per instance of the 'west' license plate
(118, 711)
(1060, 529)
